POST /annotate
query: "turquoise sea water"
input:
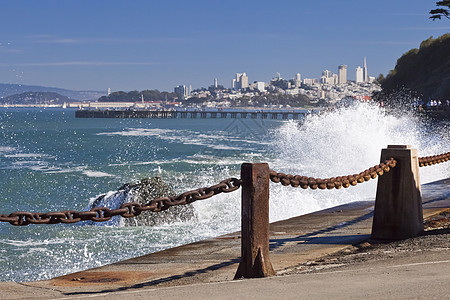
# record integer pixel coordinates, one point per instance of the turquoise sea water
(51, 161)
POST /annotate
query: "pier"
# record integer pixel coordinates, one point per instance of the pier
(194, 114)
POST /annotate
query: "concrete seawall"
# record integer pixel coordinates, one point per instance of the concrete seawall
(293, 242)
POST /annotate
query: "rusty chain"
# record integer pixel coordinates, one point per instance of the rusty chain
(334, 182)
(132, 209)
(127, 210)
(435, 159)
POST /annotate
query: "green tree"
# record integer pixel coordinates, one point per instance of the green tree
(438, 13)
(380, 78)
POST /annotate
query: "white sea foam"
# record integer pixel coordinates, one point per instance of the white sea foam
(213, 140)
(32, 243)
(341, 142)
(90, 173)
(79, 169)
(4, 149)
(140, 132)
(28, 155)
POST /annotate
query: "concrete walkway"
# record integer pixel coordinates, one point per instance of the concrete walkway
(205, 269)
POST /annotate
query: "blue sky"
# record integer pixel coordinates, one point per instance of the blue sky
(136, 45)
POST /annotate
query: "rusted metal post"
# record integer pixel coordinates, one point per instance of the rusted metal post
(255, 260)
(398, 205)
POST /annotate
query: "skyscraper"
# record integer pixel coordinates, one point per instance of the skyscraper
(365, 74)
(327, 73)
(215, 83)
(244, 81)
(342, 72)
(182, 92)
(298, 80)
(241, 81)
(359, 75)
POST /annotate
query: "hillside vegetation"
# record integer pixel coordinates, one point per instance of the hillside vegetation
(424, 71)
(135, 96)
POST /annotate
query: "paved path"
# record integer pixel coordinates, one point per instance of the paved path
(206, 268)
(419, 277)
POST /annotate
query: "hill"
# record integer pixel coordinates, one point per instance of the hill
(13, 89)
(35, 98)
(136, 96)
(425, 71)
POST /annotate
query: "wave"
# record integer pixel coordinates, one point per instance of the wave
(28, 155)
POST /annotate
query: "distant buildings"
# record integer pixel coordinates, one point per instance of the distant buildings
(182, 91)
(298, 80)
(261, 86)
(328, 78)
(310, 81)
(366, 74)
(342, 74)
(240, 82)
(329, 87)
(362, 74)
(359, 75)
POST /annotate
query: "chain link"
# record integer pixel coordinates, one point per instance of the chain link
(334, 182)
(435, 159)
(133, 209)
(127, 210)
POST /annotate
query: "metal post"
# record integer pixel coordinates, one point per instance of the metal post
(398, 205)
(255, 260)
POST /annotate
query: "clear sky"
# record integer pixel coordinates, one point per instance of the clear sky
(149, 44)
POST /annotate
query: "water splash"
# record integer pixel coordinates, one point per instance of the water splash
(346, 141)
(141, 192)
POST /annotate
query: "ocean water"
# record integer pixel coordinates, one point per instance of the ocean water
(51, 161)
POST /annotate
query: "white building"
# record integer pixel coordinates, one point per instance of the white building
(327, 74)
(342, 72)
(310, 81)
(329, 78)
(298, 80)
(261, 86)
(359, 75)
(240, 82)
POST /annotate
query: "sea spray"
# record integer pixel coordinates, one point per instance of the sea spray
(345, 141)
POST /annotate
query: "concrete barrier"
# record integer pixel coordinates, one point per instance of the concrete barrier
(398, 204)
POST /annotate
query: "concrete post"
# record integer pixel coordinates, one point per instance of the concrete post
(398, 205)
(255, 260)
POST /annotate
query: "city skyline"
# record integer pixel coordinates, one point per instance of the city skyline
(122, 45)
(242, 81)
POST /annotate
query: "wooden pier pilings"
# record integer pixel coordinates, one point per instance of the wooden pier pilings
(177, 114)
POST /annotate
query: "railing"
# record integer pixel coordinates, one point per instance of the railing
(398, 205)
